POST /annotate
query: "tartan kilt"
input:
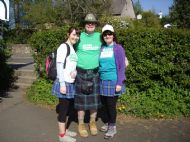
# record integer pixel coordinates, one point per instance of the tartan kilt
(87, 101)
(70, 90)
(107, 88)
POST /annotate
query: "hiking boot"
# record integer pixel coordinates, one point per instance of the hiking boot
(93, 128)
(82, 130)
(66, 138)
(111, 132)
(104, 128)
(70, 133)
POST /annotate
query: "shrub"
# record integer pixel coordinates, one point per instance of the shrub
(157, 77)
(6, 73)
(159, 72)
(117, 22)
(43, 43)
(18, 35)
(40, 92)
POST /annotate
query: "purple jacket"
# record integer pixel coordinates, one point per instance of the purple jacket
(119, 53)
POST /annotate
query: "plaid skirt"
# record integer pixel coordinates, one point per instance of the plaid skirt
(107, 88)
(70, 90)
(87, 101)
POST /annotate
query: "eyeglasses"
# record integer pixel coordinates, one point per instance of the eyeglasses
(107, 33)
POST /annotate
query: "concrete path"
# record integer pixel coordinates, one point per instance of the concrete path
(21, 121)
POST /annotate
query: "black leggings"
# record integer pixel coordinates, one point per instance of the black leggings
(64, 108)
(110, 107)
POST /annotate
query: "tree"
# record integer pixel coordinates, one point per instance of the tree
(59, 12)
(149, 20)
(180, 13)
(16, 4)
(39, 12)
(137, 7)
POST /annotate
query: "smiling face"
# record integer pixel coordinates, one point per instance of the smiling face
(90, 27)
(73, 37)
(108, 37)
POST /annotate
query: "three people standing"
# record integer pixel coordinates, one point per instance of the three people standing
(99, 63)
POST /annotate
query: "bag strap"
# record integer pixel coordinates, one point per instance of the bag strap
(68, 52)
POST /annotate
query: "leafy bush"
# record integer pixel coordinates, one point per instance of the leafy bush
(159, 72)
(18, 35)
(158, 75)
(149, 20)
(40, 92)
(43, 43)
(6, 73)
(117, 22)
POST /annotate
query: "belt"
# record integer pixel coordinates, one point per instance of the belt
(95, 70)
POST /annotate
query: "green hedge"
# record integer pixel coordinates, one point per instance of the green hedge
(6, 73)
(18, 35)
(45, 42)
(158, 77)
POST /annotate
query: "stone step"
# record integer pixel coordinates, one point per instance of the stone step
(21, 56)
(26, 72)
(22, 85)
(22, 66)
(21, 63)
(26, 79)
(21, 60)
(22, 49)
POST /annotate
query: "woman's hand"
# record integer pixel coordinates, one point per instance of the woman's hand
(118, 88)
(73, 74)
(63, 90)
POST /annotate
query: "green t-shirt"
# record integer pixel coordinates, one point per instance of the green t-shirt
(88, 50)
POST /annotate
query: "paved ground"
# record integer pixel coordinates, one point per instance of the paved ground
(21, 121)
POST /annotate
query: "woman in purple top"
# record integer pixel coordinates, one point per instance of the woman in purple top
(112, 76)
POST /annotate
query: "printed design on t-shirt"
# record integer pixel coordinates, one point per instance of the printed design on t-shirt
(90, 47)
(73, 57)
(107, 53)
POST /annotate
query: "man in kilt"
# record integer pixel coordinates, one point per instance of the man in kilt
(87, 80)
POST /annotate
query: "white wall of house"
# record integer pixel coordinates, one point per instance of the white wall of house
(4, 10)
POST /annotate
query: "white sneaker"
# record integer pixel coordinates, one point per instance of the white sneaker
(104, 128)
(70, 133)
(66, 138)
(111, 132)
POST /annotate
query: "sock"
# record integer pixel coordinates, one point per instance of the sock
(81, 120)
(61, 134)
(93, 117)
(111, 124)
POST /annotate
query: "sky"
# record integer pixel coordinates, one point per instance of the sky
(157, 5)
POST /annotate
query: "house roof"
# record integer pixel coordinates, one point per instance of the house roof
(117, 6)
(123, 8)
